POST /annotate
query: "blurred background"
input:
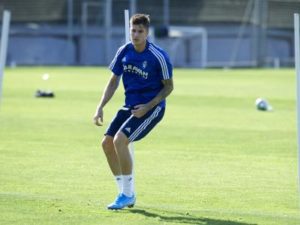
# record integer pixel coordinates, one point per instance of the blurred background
(195, 33)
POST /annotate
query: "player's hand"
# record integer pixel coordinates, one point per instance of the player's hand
(98, 117)
(140, 110)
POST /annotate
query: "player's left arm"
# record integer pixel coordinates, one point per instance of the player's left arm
(142, 109)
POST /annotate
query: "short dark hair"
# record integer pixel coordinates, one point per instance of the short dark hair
(142, 19)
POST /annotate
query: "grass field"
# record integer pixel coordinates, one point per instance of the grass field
(213, 160)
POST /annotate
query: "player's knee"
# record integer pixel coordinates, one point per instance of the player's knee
(107, 144)
(120, 140)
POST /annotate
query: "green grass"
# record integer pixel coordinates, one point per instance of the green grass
(213, 160)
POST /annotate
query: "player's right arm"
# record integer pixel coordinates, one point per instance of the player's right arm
(109, 91)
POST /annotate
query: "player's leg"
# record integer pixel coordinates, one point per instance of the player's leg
(112, 159)
(127, 198)
(133, 129)
(131, 150)
(111, 155)
(109, 148)
(121, 145)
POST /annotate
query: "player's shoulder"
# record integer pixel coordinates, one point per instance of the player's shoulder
(124, 48)
(157, 50)
(155, 47)
(158, 53)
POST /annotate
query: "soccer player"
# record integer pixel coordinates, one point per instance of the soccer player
(146, 72)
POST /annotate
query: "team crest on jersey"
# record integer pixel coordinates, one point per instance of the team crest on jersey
(145, 64)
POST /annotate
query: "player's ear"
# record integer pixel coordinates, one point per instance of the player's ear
(146, 30)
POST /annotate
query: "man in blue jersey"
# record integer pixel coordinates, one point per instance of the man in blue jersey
(146, 72)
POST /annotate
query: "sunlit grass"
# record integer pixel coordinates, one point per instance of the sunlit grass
(214, 159)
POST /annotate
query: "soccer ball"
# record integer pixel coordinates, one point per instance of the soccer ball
(262, 104)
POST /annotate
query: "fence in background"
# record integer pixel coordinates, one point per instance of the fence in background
(88, 32)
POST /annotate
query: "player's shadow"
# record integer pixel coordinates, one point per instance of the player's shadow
(186, 219)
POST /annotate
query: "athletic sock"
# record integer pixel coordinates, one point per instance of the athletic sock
(119, 182)
(128, 185)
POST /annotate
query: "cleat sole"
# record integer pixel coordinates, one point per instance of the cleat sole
(130, 206)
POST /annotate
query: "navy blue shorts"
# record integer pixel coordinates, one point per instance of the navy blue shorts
(135, 128)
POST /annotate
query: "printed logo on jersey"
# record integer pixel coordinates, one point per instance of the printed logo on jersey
(144, 64)
(134, 69)
(124, 59)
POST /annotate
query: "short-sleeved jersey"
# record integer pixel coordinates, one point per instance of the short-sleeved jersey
(142, 72)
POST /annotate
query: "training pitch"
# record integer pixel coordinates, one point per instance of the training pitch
(213, 160)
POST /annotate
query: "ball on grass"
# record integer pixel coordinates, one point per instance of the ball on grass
(45, 76)
(262, 104)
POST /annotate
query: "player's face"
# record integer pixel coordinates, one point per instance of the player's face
(138, 34)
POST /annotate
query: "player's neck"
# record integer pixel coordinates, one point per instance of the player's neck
(140, 47)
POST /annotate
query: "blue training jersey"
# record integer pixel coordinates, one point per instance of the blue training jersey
(142, 72)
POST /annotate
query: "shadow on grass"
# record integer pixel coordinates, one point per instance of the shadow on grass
(186, 218)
